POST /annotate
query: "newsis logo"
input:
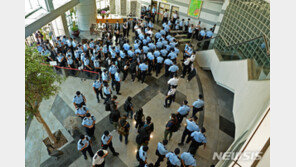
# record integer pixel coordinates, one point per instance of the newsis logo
(246, 156)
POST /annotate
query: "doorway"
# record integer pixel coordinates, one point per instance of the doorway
(174, 9)
(161, 9)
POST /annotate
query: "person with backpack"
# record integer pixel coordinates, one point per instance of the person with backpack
(114, 118)
(123, 128)
(142, 156)
(161, 151)
(149, 124)
(128, 107)
(171, 126)
(172, 158)
(139, 118)
(143, 137)
(89, 123)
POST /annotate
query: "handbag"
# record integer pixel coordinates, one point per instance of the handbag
(121, 129)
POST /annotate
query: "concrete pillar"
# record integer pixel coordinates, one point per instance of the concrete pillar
(135, 8)
(118, 7)
(86, 14)
(49, 5)
(112, 7)
(65, 25)
(123, 6)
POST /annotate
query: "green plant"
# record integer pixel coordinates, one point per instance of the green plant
(74, 27)
(41, 82)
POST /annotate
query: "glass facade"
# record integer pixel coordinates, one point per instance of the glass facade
(245, 31)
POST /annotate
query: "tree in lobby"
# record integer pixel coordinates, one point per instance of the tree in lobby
(41, 82)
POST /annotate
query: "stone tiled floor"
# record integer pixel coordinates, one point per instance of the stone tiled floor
(218, 102)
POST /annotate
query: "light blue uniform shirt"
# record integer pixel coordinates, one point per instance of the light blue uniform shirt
(198, 103)
(191, 126)
(173, 44)
(105, 49)
(112, 69)
(156, 53)
(141, 36)
(122, 54)
(97, 84)
(92, 45)
(105, 138)
(78, 99)
(187, 23)
(153, 10)
(162, 32)
(173, 158)
(86, 62)
(82, 143)
(184, 109)
(159, 45)
(167, 28)
(150, 25)
(168, 37)
(84, 47)
(130, 53)
(82, 56)
(117, 77)
(145, 41)
(117, 50)
(189, 30)
(88, 121)
(181, 23)
(176, 51)
(157, 35)
(168, 62)
(96, 63)
(138, 51)
(113, 54)
(188, 159)
(105, 76)
(81, 110)
(150, 56)
(202, 33)
(70, 61)
(142, 154)
(60, 57)
(152, 46)
(163, 52)
(161, 149)
(173, 68)
(159, 59)
(199, 137)
(136, 46)
(143, 67)
(209, 33)
(145, 49)
(165, 42)
(106, 90)
(167, 47)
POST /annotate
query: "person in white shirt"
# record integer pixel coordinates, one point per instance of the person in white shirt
(173, 82)
(165, 16)
(186, 66)
(99, 158)
(170, 97)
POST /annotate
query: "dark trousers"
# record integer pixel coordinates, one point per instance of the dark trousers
(187, 133)
(108, 96)
(112, 80)
(125, 138)
(189, 35)
(141, 163)
(117, 86)
(180, 118)
(168, 101)
(90, 131)
(186, 69)
(89, 150)
(158, 68)
(172, 74)
(186, 28)
(159, 159)
(110, 146)
(101, 165)
(195, 110)
(139, 124)
(133, 75)
(124, 32)
(165, 19)
(125, 72)
(150, 66)
(99, 92)
(166, 70)
(143, 76)
(194, 146)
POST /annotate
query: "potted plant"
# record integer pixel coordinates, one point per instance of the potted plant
(74, 29)
(103, 13)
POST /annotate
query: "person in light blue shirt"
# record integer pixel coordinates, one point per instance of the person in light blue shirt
(176, 50)
(151, 62)
(161, 152)
(107, 142)
(173, 44)
(39, 48)
(158, 66)
(198, 105)
(81, 111)
(156, 53)
(92, 44)
(168, 47)
(209, 33)
(97, 87)
(143, 71)
(188, 159)
(61, 60)
(167, 62)
(163, 52)
(117, 83)
(190, 30)
(202, 34)
(187, 25)
(173, 159)
(143, 155)
(152, 46)
(173, 69)
(168, 37)
(164, 42)
(122, 54)
(112, 70)
(198, 140)
(105, 76)
(157, 35)
(83, 145)
(79, 99)
(181, 24)
(145, 49)
(190, 128)
(130, 53)
(107, 92)
(183, 111)
(159, 44)
(163, 32)
(141, 36)
(167, 28)
(105, 49)
(85, 47)
(150, 24)
(136, 46)
(145, 41)
(89, 122)
(138, 51)
(173, 56)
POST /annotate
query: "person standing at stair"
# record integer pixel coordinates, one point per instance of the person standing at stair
(198, 105)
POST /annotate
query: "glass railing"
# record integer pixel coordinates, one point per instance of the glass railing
(256, 49)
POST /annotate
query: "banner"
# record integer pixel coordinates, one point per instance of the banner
(194, 8)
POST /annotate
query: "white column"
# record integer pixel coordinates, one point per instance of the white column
(65, 25)
(86, 14)
(112, 7)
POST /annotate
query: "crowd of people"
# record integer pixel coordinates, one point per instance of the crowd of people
(105, 59)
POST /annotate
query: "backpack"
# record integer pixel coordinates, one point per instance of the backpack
(175, 127)
(121, 129)
(108, 106)
(139, 139)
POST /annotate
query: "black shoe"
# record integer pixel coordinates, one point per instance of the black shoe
(98, 101)
(116, 153)
(182, 76)
(180, 144)
(165, 106)
(119, 93)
